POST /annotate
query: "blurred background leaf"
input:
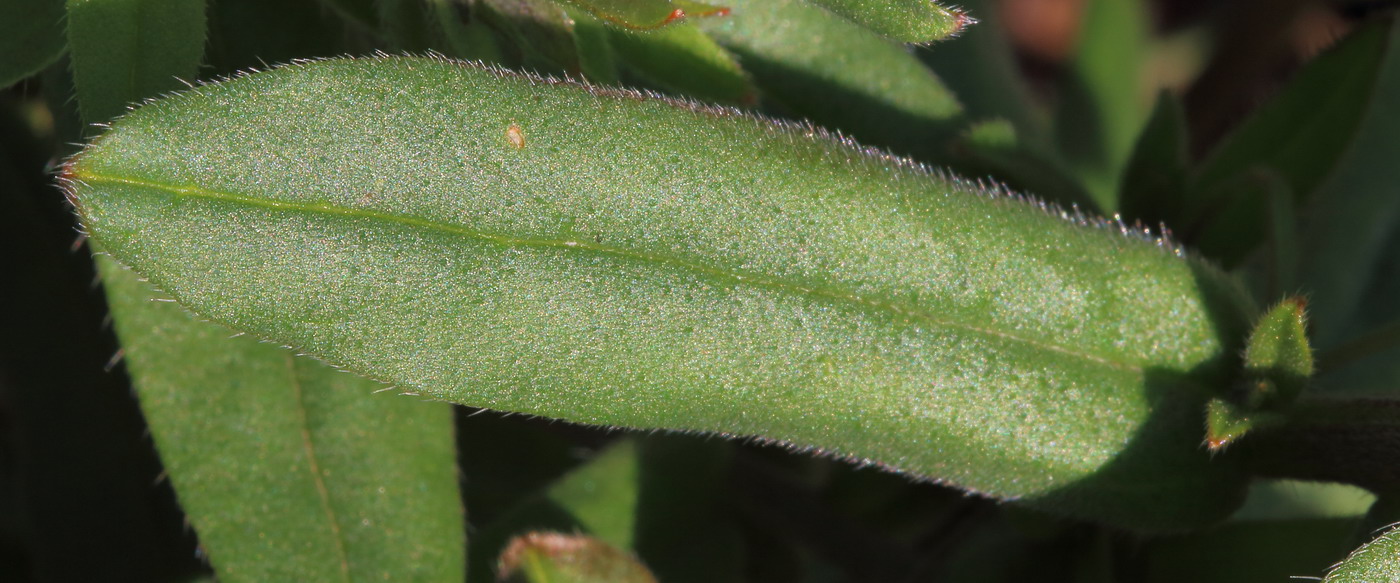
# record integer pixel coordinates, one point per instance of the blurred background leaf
(31, 37)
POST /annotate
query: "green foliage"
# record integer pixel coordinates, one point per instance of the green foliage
(464, 210)
(1375, 562)
(31, 37)
(548, 557)
(128, 50)
(338, 485)
(1298, 136)
(621, 259)
(910, 21)
(814, 64)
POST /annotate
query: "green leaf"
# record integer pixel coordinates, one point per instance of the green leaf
(1274, 500)
(647, 14)
(815, 65)
(980, 68)
(1154, 182)
(683, 59)
(693, 269)
(1226, 423)
(654, 496)
(124, 51)
(1377, 561)
(1101, 102)
(910, 21)
(405, 24)
(31, 37)
(287, 468)
(1243, 218)
(993, 147)
(598, 498)
(1256, 551)
(551, 557)
(1278, 363)
(1282, 243)
(1350, 232)
(542, 35)
(1301, 133)
(603, 495)
(592, 40)
(1278, 357)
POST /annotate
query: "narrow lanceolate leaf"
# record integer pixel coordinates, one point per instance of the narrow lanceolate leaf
(287, 469)
(598, 256)
(910, 21)
(1299, 135)
(124, 51)
(1350, 231)
(1377, 561)
(1101, 104)
(539, 31)
(647, 14)
(31, 37)
(1305, 129)
(980, 68)
(814, 64)
(1154, 179)
(683, 59)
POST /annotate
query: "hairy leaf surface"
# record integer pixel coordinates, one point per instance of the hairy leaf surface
(599, 256)
(911, 21)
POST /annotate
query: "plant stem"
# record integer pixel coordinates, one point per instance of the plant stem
(1378, 339)
(1354, 441)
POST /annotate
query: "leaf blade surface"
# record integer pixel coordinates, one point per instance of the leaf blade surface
(596, 256)
(287, 468)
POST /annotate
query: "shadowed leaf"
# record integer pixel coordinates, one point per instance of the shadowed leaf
(289, 469)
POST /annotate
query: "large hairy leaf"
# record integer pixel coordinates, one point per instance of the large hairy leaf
(598, 256)
(1375, 562)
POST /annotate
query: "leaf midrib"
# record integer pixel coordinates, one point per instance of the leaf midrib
(896, 308)
(308, 446)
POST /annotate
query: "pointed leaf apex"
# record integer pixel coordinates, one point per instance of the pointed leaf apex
(1278, 355)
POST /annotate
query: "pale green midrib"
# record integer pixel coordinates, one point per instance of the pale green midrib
(758, 281)
(314, 466)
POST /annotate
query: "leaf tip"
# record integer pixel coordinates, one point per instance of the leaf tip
(961, 20)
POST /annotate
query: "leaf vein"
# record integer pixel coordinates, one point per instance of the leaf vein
(896, 308)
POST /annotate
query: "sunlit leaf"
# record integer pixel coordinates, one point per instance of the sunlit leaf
(910, 21)
(1377, 561)
(601, 257)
